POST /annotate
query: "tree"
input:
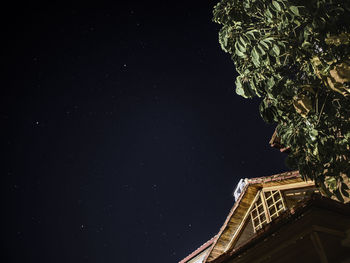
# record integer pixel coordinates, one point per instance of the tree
(295, 56)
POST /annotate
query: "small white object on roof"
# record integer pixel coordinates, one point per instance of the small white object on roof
(238, 190)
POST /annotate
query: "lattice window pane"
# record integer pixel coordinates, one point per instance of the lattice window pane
(268, 206)
(254, 213)
(279, 205)
(256, 222)
(258, 214)
(274, 203)
(267, 195)
(274, 216)
(272, 210)
(269, 202)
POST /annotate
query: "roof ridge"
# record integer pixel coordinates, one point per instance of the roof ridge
(274, 177)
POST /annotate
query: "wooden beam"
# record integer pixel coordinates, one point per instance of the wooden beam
(318, 247)
(327, 230)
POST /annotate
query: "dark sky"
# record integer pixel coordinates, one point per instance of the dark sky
(124, 138)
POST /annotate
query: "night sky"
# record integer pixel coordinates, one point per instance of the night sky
(124, 138)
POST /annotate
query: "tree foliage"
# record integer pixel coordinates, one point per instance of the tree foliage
(295, 55)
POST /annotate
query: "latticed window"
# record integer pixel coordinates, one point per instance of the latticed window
(258, 214)
(274, 202)
(268, 205)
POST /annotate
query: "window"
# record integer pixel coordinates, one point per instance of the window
(267, 207)
(275, 204)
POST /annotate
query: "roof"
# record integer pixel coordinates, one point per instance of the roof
(198, 250)
(223, 241)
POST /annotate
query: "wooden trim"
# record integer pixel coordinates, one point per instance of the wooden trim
(327, 230)
(283, 201)
(267, 214)
(289, 186)
(241, 225)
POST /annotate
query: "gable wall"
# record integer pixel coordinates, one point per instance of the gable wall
(247, 233)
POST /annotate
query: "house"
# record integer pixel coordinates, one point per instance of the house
(279, 218)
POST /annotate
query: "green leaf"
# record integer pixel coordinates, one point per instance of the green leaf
(239, 88)
(239, 53)
(248, 91)
(252, 84)
(225, 40)
(255, 54)
(297, 22)
(256, 62)
(270, 82)
(253, 34)
(277, 6)
(264, 44)
(306, 45)
(276, 49)
(269, 40)
(267, 62)
(261, 50)
(347, 135)
(278, 61)
(242, 41)
(240, 47)
(313, 134)
(295, 10)
(268, 14)
(332, 183)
